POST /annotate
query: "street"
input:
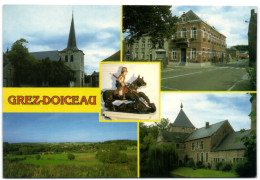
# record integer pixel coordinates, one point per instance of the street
(226, 77)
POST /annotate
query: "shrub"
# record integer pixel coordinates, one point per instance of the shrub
(200, 165)
(227, 166)
(112, 156)
(71, 156)
(190, 163)
(209, 166)
(37, 157)
(219, 165)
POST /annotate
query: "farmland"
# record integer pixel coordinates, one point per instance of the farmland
(45, 160)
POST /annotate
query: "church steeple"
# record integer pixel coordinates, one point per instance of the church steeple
(72, 44)
(181, 105)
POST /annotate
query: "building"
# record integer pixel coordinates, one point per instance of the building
(142, 50)
(114, 57)
(8, 75)
(252, 38)
(233, 53)
(71, 55)
(196, 42)
(210, 144)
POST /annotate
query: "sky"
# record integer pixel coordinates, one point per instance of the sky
(208, 107)
(47, 28)
(63, 127)
(228, 20)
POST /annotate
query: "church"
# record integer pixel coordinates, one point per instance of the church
(210, 144)
(71, 56)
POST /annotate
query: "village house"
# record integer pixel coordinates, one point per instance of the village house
(210, 144)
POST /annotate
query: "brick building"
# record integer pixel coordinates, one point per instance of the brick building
(196, 42)
(210, 144)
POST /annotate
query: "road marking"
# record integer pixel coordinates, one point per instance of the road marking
(244, 77)
(168, 70)
(170, 88)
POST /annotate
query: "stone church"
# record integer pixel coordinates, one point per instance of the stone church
(210, 144)
(71, 55)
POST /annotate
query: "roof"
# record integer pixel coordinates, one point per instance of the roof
(114, 57)
(192, 16)
(182, 120)
(231, 142)
(72, 44)
(205, 132)
(53, 55)
(173, 136)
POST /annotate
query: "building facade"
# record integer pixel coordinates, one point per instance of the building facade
(142, 50)
(210, 144)
(195, 41)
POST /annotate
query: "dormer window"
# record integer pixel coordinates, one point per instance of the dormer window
(183, 19)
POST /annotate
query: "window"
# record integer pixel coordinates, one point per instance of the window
(183, 33)
(142, 55)
(143, 43)
(201, 157)
(203, 32)
(183, 19)
(136, 54)
(194, 32)
(174, 54)
(142, 49)
(192, 146)
(66, 58)
(203, 53)
(177, 146)
(207, 157)
(71, 58)
(208, 35)
(175, 35)
(198, 157)
(197, 145)
(201, 145)
(149, 44)
(208, 53)
(136, 45)
(193, 53)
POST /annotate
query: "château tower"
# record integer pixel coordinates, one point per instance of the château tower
(74, 58)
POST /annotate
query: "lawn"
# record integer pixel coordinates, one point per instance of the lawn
(189, 172)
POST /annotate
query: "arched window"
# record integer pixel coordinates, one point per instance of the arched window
(71, 58)
(194, 32)
(183, 33)
(66, 58)
(203, 32)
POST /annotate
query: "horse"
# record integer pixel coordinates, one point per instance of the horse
(140, 102)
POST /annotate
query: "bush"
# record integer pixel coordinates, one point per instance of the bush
(71, 156)
(227, 166)
(244, 169)
(190, 163)
(112, 156)
(209, 166)
(37, 157)
(219, 165)
(200, 165)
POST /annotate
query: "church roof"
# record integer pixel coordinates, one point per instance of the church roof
(192, 16)
(53, 55)
(182, 120)
(205, 132)
(114, 57)
(72, 44)
(231, 142)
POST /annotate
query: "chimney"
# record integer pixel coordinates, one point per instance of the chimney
(207, 124)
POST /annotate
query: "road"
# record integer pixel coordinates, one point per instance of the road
(228, 77)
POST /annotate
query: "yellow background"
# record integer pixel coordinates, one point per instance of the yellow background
(52, 92)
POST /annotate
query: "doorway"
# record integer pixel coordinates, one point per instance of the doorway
(183, 55)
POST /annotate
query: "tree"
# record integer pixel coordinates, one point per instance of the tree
(156, 22)
(38, 157)
(164, 124)
(71, 156)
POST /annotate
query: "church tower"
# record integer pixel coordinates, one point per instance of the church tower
(74, 58)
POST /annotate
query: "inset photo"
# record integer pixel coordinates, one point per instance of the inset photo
(130, 91)
(201, 135)
(67, 145)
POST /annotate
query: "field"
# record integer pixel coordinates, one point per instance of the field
(57, 165)
(199, 173)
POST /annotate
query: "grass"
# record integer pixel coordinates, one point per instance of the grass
(189, 172)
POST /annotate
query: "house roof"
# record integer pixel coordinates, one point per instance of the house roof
(205, 132)
(167, 136)
(182, 120)
(231, 142)
(192, 16)
(114, 57)
(53, 55)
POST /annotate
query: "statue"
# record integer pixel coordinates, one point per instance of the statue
(133, 101)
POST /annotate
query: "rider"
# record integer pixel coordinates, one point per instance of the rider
(120, 83)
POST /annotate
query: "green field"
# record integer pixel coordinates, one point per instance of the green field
(199, 173)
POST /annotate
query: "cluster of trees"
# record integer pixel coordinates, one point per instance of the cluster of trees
(35, 148)
(156, 160)
(28, 70)
(112, 156)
